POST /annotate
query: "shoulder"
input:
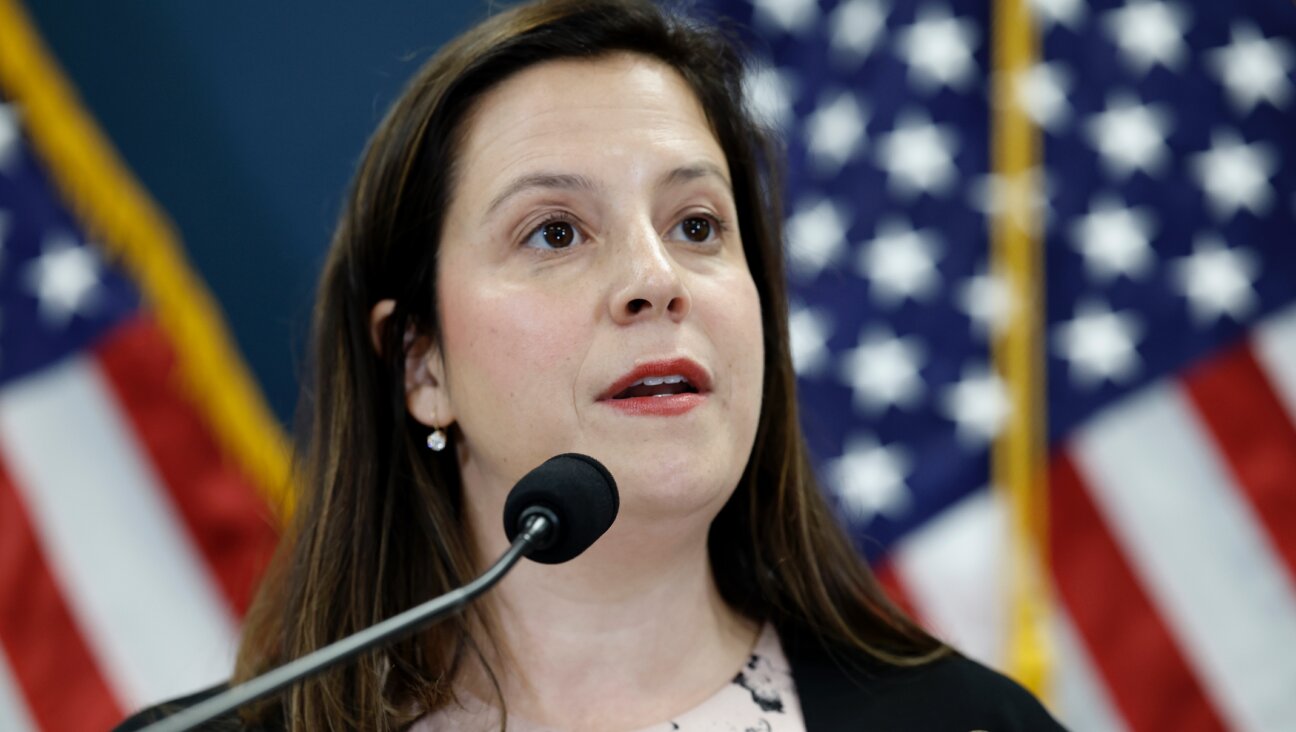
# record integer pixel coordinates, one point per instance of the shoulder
(842, 691)
(144, 718)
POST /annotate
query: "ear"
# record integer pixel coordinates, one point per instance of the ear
(426, 397)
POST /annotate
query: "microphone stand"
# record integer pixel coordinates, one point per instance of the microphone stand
(538, 525)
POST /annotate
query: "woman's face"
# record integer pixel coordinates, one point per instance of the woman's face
(591, 243)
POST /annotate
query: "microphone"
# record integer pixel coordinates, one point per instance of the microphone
(554, 513)
(572, 491)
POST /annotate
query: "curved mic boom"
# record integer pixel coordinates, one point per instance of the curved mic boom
(553, 514)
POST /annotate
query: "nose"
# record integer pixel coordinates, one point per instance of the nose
(650, 285)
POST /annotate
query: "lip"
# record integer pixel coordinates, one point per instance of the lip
(663, 406)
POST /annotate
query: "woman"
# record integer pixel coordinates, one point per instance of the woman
(565, 237)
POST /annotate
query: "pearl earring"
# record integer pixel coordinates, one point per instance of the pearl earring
(436, 440)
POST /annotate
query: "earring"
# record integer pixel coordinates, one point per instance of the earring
(436, 440)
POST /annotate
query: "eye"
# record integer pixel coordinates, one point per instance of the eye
(697, 229)
(554, 234)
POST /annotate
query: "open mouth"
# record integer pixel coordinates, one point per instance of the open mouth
(665, 388)
(657, 386)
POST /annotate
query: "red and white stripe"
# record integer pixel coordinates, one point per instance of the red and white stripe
(1199, 550)
(14, 714)
(52, 661)
(951, 573)
(1172, 549)
(1077, 693)
(950, 569)
(130, 537)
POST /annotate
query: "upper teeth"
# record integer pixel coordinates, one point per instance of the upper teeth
(659, 380)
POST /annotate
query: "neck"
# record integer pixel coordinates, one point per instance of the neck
(628, 634)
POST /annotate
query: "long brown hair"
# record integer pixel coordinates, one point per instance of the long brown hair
(378, 528)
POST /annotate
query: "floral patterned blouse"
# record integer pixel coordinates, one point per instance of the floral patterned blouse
(761, 698)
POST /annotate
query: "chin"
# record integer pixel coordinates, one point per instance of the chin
(674, 487)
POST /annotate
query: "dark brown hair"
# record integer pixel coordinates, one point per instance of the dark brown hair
(378, 528)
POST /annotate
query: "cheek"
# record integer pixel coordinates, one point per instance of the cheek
(737, 330)
(753, 330)
(510, 355)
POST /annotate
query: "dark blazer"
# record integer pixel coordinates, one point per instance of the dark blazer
(844, 691)
(839, 693)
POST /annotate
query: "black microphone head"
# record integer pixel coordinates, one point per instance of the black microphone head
(578, 491)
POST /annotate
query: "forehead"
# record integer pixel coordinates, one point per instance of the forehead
(621, 109)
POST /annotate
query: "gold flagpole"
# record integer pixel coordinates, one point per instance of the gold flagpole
(1018, 456)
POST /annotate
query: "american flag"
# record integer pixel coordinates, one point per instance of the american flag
(1164, 187)
(132, 527)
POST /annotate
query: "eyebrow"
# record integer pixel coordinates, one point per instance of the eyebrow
(692, 172)
(560, 181)
(572, 181)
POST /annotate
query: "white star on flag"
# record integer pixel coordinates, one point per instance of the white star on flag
(987, 301)
(938, 49)
(768, 92)
(978, 404)
(835, 131)
(1022, 196)
(900, 263)
(809, 329)
(918, 156)
(1218, 281)
(816, 236)
(1235, 175)
(882, 371)
(869, 478)
(1042, 91)
(1099, 345)
(1114, 240)
(1253, 68)
(1131, 136)
(791, 16)
(1048, 13)
(1149, 33)
(64, 279)
(856, 26)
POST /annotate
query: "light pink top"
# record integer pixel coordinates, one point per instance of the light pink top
(761, 698)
